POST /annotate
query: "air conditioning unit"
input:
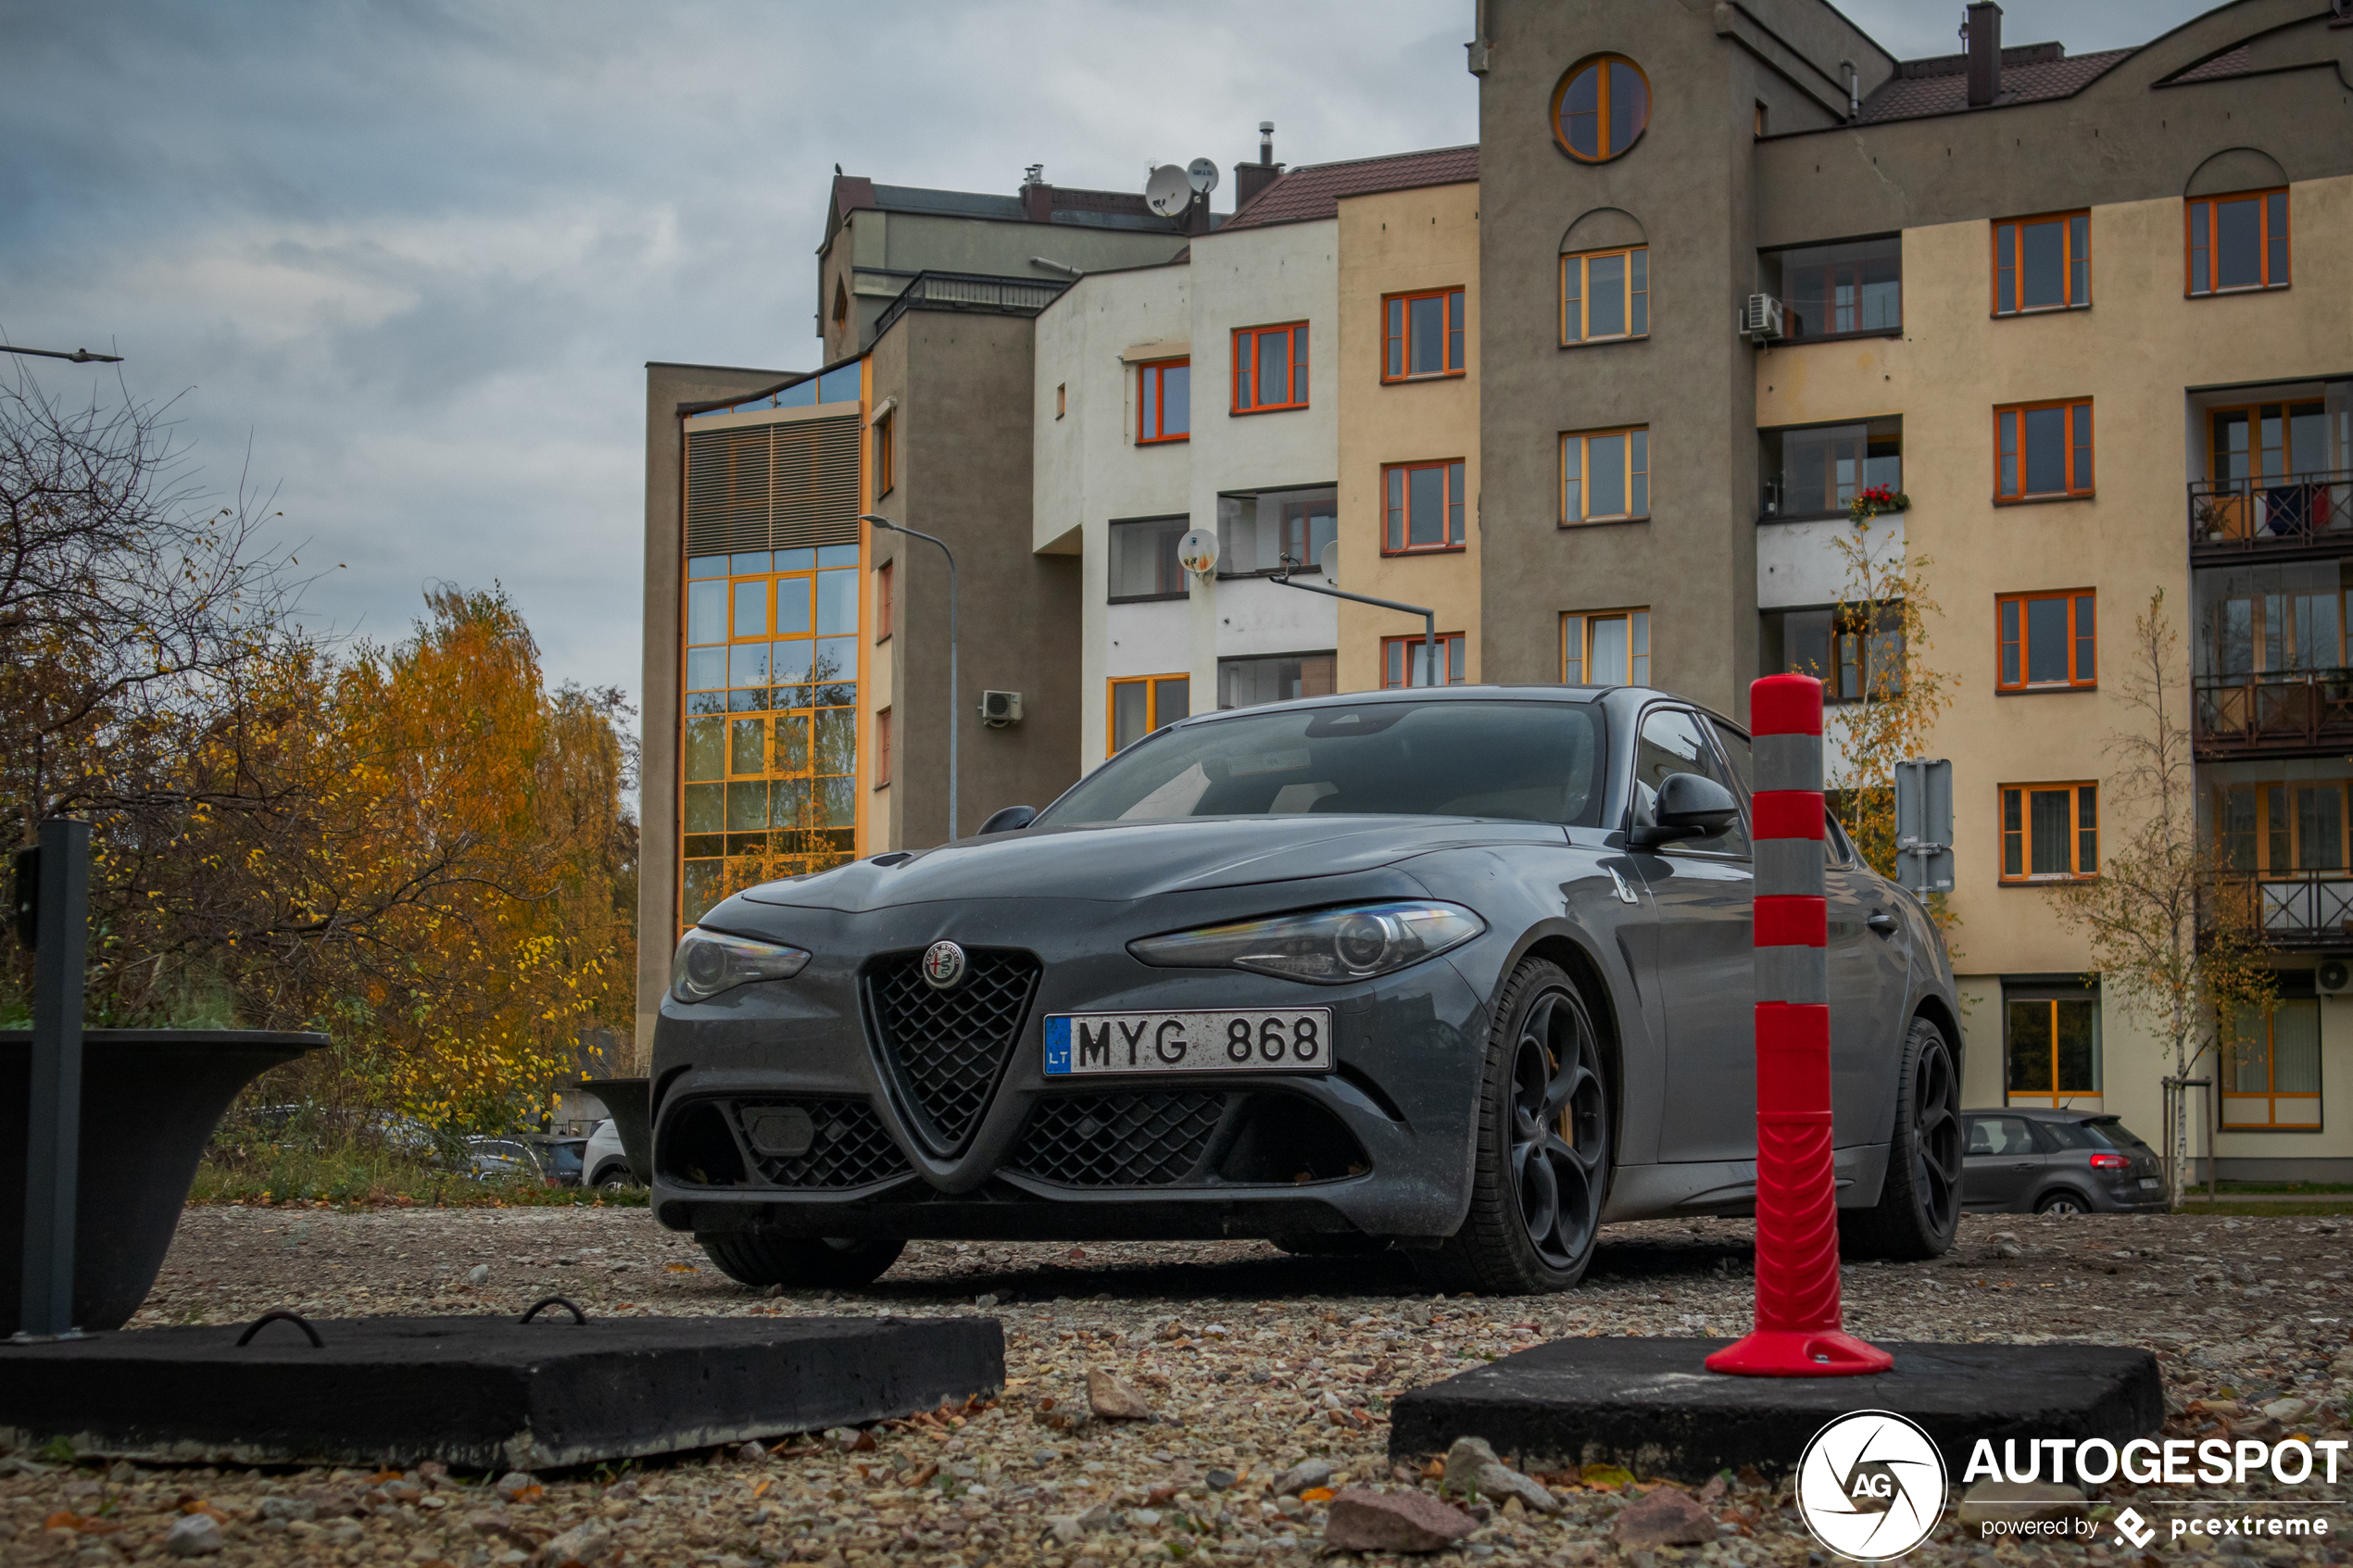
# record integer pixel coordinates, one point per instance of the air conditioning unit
(999, 710)
(1762, 320)
(2334, 977)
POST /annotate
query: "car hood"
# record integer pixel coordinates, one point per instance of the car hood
(1121, 862)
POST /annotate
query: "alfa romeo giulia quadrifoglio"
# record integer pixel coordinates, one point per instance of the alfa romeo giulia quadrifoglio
(1466, 974)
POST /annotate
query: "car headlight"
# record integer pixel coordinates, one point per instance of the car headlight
(1325, 947)
(708, 963)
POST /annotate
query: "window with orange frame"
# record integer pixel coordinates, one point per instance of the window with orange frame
(1163, 401)
(1421, 335)
(1270, 368)
(2043, 451)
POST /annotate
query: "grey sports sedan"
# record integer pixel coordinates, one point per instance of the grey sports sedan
(1466, 974)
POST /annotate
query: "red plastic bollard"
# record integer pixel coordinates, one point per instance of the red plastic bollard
(1799, 1331)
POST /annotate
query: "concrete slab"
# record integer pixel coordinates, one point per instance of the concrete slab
(485, 1393)
(1650, 1405)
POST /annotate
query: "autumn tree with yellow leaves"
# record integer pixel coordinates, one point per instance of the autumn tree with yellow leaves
(421, 848)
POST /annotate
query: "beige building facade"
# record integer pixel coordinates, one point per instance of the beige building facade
(1408, 398)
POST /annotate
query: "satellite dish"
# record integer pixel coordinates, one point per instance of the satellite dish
(1168, 191)
(1327, 561)
(1202, 174)
(1196, 551)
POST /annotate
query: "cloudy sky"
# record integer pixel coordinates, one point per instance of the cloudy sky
(412, 255)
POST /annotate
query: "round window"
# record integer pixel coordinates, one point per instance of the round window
(1600, 107)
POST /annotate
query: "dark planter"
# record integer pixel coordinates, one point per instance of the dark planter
(625, 1098)
(150, 1099)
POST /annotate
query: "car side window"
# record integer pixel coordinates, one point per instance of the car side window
(2000, 1135)
(1738, 753)
(1671, 741)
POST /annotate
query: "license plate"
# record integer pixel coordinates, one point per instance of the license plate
(1282, 1040)
(2151, 1181)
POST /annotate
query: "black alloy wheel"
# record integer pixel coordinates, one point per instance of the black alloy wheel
(1544, 1157)
(2063, 1202)
(1919, 1203)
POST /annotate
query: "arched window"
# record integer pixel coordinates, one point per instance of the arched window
(1600, 107)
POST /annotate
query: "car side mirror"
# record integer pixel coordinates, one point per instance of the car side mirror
(1690, 806)
(1011, 817)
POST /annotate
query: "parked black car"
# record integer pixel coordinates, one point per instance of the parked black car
(1469, 972)
(2028, 1159)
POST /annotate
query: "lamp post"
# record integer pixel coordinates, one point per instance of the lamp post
(80, 356)
(953, 715)
(1429, 617)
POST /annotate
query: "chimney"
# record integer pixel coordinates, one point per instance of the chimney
(1251, 178)
(1985, 29)
(1037, 196)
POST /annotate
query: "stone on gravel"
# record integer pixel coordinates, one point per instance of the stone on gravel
(289, 1508)
(1664, 1517)
(1471, 1465)
(584, 1546)
(1300, 1476)
(1220, 1480)
(513, 1483)
(193, 1535)
(1112, 1399)
(478, 1274)
(2288, 1412)
(2019, 1500)
(1363, 1520)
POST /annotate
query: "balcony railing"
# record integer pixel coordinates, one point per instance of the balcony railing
(2275, 712)
(2238, 517)
(2304, 908)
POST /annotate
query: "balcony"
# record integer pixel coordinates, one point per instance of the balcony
(2273, 713)
(2301, 909)
(2237, 519)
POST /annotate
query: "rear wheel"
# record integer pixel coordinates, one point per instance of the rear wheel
(757, 1259)
(2062, 1203)
(1544, 1155)
(1919, 1203)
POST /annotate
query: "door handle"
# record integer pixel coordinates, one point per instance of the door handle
(2023, 1165)
(1881, 921)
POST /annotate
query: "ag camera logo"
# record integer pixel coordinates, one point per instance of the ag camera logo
(1870, 1485)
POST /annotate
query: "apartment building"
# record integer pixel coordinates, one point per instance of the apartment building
(2087, 313)
(795, 690)
(1215, 391)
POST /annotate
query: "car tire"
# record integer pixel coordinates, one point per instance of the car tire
(614, 1176)
(1918, 1209)
(2063, 1202)
(1536, 1196)
(760, 1260)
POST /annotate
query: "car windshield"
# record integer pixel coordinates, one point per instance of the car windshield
(1523, 762)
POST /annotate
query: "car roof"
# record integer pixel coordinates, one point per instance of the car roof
(1612, 697)
(2045, 1113)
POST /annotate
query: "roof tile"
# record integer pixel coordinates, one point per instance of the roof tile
(1315, 190)
(1915, 97)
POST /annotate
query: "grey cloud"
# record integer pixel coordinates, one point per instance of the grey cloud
(416, 253)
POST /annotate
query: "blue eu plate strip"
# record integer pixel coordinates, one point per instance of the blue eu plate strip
(1057, 1044)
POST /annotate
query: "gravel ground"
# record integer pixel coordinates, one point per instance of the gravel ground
(1253, 1361)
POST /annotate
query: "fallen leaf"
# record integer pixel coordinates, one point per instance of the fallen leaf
(1606, 1477)
(1317, 1494)
(678, 1268)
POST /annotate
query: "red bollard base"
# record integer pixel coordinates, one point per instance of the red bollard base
(1800, 1352)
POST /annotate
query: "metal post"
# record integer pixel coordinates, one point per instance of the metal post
(53, 1109)
(955, 718)
(1429, 617)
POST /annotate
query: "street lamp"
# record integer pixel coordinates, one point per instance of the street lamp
(953, 715)
(80, 356)
(1329, 567)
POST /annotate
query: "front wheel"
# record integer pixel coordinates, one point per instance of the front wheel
(757, 1259)
(1544, 1155)
(1918, 1209)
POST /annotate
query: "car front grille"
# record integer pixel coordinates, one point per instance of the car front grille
(945, 1050)
(1120, 1140)
(818, 1143)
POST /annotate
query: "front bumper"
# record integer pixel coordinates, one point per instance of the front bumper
(1379, 1146)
